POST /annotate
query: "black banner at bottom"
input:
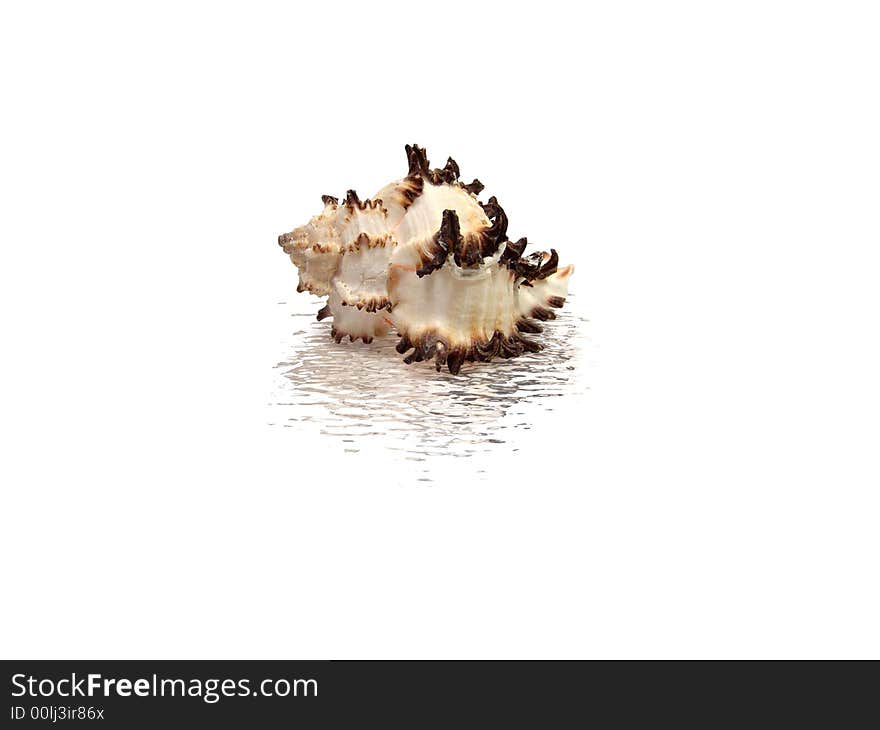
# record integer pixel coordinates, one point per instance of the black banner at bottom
(149, 694)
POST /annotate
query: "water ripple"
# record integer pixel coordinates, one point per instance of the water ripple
(363, 394)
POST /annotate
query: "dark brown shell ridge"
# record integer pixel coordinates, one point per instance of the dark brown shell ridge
(420, 167)
(352, 202)
(430, 346)
(532, 267)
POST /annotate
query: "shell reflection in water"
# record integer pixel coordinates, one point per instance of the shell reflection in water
(361, 394)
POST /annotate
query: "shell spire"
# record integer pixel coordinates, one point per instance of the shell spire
(426, 258)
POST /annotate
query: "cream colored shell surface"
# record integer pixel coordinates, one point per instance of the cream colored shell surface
(426, 258)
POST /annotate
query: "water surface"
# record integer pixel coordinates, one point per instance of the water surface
(365, 395)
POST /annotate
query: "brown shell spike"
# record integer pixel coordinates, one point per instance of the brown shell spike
(513, 252)
(324, 312)
(497, 234)
(529, 327)
(533, 267)
(448, 174)
(443, 242)
(549, 266)
(463, 252)
(455, 359)
(475, 187)
(418, 161)
(420, 166)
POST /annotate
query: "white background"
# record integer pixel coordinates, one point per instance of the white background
(710, 168)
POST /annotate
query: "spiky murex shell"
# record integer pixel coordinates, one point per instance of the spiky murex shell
(426, 257)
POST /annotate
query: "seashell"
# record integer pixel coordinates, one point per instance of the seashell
(426, 258)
